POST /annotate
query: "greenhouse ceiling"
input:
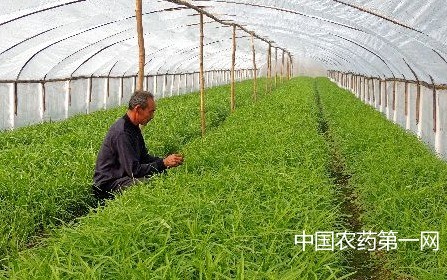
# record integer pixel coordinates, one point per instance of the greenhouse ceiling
(56, 39)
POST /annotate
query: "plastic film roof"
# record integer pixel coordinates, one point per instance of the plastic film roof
(52, 39)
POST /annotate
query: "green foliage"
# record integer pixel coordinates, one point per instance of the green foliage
(47, 169)
(231, 211)
(400, 184)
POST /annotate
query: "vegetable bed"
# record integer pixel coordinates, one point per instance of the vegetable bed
(400, 184)
(47, 169)
(231, 211)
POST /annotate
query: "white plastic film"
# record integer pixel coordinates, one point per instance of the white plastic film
(441, 133)
(389, 99)
(400, 102)
(62, 39)
(150, 84)
(426, 124)
(78, 94)
(7, 105)
(98, 94)
(128, 90)
(411, 116)
(56, 98)
(376, 94)
(29, 104)
(114, 93)
(383, 94)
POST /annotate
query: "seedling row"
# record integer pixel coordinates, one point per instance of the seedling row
(231, 211)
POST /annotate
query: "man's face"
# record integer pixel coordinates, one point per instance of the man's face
(145, 115)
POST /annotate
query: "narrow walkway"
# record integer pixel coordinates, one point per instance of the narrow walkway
(358, 260)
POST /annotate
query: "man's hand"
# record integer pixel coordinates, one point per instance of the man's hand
(173, 160)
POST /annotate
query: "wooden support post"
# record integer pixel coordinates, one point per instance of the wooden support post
(292, 68)
(172, 85)
(202, 80)
(380, 93)
(394, 96)
(254, 66)
(282, 66)
(141, 61)
(276, 66)
(269, 75)
(435, 106)
(406, 98)
(418, 103)
(44, 99)
(154, 85)
(289, 67)
(233, 62)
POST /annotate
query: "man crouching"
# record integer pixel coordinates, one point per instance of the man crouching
(123, 159)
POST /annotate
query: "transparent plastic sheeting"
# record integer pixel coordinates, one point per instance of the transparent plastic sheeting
(34, 102)
(44, 40)
(49, 39)
(431, 122)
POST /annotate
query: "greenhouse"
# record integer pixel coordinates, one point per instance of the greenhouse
(313, 139)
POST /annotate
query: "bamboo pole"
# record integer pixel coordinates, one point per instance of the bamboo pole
(254, 66)
(233, 62)
(406, 98)
(282, 67)
(276, 66)
(202, 80)
(292, 68)
(271, 70)
(289, 69)
(435, 106)
(269, 75)
(139, 17)
(267, 72)
(418, 103)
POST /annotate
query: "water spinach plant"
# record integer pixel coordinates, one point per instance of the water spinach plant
(231, 211)
(47, 169)
(399, 183)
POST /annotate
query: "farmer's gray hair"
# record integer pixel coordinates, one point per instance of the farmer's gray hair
(140, 98)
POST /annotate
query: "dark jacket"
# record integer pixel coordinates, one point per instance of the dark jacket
(124, 154)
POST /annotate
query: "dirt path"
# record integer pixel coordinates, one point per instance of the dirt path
(360, 261)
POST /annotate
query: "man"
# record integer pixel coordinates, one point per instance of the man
(123, 159)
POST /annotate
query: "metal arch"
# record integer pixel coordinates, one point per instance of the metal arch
(196, 55)
(321, 19)
(29, 38)
(332, 22)
(92, 44)
(397, 23)
(201, 10)
(147, 61)
(368, 50)
(89, 29)
(336, 54)
(106, 47)
(324, 39)
(67, 57)
(285, 10)
(209, 54)
(398, 52)
(379, 16)
(185, 50)
(325, 49)
(39, 11)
